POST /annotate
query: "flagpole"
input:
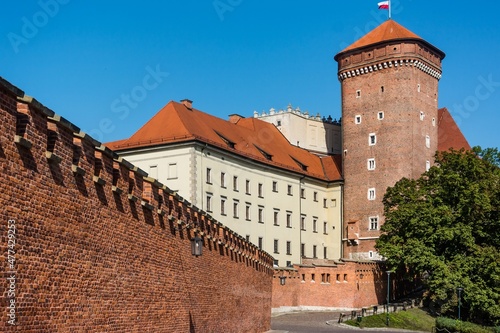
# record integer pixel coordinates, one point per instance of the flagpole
(389, 9)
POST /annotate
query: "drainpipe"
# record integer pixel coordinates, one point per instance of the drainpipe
(202, 173)
(300, 217)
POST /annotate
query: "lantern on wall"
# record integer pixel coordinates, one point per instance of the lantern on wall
(196, 246)
(282, 280)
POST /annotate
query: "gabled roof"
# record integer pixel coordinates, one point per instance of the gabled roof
(390, 30)
(449, 135)
(249, 137)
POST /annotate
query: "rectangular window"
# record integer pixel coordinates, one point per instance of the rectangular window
(325, 203)
(261, 214)
(371, 164)
(338, 277)
(302, 250)
(247, 212)
(209, 203)
(260, 243)
(374, 223)
(358, 93)
(235, 183)
(370, 254)
(302, 222)
(289, 190)
(357, 119)
(427, 141)
(223, 179)
(303, 193)
(323, 277)
(315, 224)
(315, 196)
(223, 206)
(288, 219)
(276, 263)
(276, 217)
(333, 203)
(372, 139)
(236, 209)
(427, 165)
(276, 246)
(325, 253)
(260, 190)
(247, 237)
(275, 186)
(327, 278)
(422, 116)
(325, 228)
(288, 247)
(153, 171)
(380, 115)
(314, 251)
(371, 194)
(209, 176)
(247, 186)
(345, 277)
(172, 171)
(289, 263)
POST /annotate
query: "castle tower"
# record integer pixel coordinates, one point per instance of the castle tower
(389, 81)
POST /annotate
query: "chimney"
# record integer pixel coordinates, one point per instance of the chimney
(187, 103)
(234, 118)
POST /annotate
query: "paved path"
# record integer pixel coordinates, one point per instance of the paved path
(316, 322)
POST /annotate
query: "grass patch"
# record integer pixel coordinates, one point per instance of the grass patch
(412, 319)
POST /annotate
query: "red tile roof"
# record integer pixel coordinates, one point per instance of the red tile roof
(248, 137)
(449, 135)
(388, 31)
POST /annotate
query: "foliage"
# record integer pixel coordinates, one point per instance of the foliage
(413, 319)
(444, 227)
(453, 325)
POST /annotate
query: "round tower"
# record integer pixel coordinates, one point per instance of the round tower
(389, 86)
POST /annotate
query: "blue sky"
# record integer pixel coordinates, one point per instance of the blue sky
(83, 58)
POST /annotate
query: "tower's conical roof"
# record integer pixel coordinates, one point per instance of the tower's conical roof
(390, 30)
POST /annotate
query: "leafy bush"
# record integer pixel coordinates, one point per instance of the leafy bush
(453, 325)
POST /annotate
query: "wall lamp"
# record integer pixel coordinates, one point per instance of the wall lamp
(196, 246)
(282, 280)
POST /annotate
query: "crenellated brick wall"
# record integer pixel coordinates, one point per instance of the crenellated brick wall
(329, 285)
(102, 247)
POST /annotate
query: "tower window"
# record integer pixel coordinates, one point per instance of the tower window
(371, 194)
(358, 93)
(433, 121)
(374, 223)
(371, 164)
(357, 119)
(427, 165)
(278, 123)
(380, 115)
(427, 141)
(372, 139)
(422, 115)
(418, 87)
(382, 89)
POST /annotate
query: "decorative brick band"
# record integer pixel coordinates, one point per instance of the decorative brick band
(389, 64)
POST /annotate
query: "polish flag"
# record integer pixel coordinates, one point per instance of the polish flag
(383, 5)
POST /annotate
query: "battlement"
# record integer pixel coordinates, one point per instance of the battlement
(103, 232)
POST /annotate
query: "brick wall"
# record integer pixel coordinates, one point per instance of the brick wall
(334, 285)
(101, 247)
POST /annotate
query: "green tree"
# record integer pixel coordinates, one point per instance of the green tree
(446, 226)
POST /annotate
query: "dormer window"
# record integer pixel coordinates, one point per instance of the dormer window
(300, 164)
(264, 153)
(228, 142)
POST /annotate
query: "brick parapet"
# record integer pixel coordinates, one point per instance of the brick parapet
(336, 285)
(88, 218)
